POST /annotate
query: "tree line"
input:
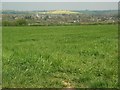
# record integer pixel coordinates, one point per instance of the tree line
(18, 22)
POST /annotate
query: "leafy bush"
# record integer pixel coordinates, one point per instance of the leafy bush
(18, 22)
(5, 23)
(21, 22)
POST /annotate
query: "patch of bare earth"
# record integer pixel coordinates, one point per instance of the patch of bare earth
(67, 84)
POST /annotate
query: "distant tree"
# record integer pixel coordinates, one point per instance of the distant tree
(8, 23)
(5, 23)
(46, 17)
(21, 22)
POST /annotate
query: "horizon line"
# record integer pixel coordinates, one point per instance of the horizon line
(62, 9)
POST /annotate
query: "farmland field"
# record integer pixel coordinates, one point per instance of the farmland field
(83, 56)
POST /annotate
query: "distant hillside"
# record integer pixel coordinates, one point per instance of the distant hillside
(40, 12)
(99, 12)
(88, 12)
(61, 12)
(16, 12)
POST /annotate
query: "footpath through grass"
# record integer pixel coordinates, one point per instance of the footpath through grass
(60, 56)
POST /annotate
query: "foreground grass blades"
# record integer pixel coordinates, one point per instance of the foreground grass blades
(60, 56)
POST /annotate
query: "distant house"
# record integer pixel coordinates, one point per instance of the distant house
(37, 16)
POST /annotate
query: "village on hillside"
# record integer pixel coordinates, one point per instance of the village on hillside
(58, 17)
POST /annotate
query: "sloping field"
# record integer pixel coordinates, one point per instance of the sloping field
(60, 12)
(60, 56)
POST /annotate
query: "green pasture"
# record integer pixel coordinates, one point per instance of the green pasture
(83, 56)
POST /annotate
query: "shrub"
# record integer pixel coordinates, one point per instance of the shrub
(18, 22)
(21, 22)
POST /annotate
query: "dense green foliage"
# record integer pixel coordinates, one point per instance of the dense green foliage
(60, 56)
(18, 22)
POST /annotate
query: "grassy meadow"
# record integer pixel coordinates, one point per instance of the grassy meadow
(83, 56)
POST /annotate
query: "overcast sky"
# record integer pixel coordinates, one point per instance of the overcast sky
(60, 5)
(60, 0)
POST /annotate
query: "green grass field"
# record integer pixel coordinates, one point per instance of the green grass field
(60, 56)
